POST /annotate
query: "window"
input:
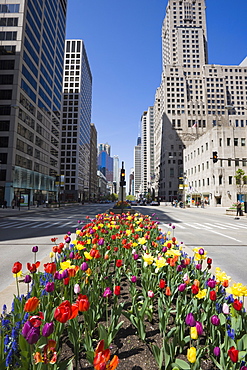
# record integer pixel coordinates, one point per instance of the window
(5, 94)
(9, 8)
(228, 141)
(7, 64)
(4, 141)
(230, 180)
(9, 22)
(243, 141)
(6, 79)
(8, 35)
(235, 141)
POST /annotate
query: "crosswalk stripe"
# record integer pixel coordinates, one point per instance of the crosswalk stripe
(66, 223)
(11, 225)
(227, 225)
(194, 227)
(204, 226)
(217, 226)
(25, 224)
(40, 224)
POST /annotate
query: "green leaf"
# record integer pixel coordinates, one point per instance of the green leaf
(158, 355)
(65, 365)
(182, 364)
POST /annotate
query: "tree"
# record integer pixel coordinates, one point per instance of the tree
(241, 179)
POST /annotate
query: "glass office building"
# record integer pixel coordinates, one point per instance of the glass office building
(32, 36)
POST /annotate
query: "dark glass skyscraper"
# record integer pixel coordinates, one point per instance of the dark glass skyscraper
(31, 73)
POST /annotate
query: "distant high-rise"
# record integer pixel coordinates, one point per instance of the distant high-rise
(147, 150)
(76, 122)
(116, 174)
(32, 38)
(193, 96)
(93, 179)
(138, 168)
(104, 148)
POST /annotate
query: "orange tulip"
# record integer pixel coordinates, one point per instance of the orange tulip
(102, 358)
(168, 291)
(31, 304)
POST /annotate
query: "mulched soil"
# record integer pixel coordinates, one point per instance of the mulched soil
(133, 353)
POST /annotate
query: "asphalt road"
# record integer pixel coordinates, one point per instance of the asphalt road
(223, 237)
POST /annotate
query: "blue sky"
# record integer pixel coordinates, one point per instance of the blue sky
(123, 44)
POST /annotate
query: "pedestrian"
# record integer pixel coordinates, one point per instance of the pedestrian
(239, 208)
(13, 203)
(5, 204)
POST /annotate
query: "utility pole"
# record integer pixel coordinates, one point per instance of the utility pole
(122, 184)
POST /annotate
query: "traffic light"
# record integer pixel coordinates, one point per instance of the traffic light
(215, 157)
(122, 177)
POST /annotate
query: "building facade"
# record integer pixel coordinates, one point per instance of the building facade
(193, 95)
(76, 121)
(116, 174)
(138, 190)
(147, 152)
(93, 179)
(214, 183)
(32, 35)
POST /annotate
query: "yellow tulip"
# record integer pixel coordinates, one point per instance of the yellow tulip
(87, 255)
(148, 259)
(201, 294)
(193, 333)
(191, 355)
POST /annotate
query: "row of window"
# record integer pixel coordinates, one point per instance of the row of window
(206, 182)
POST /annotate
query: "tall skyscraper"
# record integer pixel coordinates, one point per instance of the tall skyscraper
(93, 179)
(116, 173)
(76, 123)
(147, 151)
(104, 148)
(31, 71)
(193, 95)
(138, 169)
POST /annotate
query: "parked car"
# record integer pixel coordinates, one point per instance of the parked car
(134, 203)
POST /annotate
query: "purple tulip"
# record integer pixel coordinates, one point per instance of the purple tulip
(181, 287)
(30, 333)
(190, 320)
(65, 274)
(50, 286)
(133, 279)
(164, 249)
(135, 256)
(68, 240)
(107, 292)
(217, 351)
(173, 227)
(48, 329)
(27, 279)
(211, 283)
(58, 276)
(72, 255)
(199, 328)
(69, 233)
(201, 251)
(35, 249)
(215, 320)
(243, 368)
(84, 266)
(101, 241)
(198, 266)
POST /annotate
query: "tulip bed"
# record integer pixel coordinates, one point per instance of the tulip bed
(120, 275)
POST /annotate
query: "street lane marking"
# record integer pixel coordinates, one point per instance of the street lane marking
(40, 224)
(25, 224)
(226, 236)
(219, 227)
(204, 226)
(64, 224)
(194, 227)
(11, 225)
(227, 225)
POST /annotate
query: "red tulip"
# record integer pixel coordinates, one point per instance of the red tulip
(119, 263)
(16, 267)
(212, 295)
(33, 267)
(194, 289)
(50, 268)
(83, 303)
(102, 358)
(63, 312)
(162, 284)
(237, 305)
(117, 290)
(233, 354)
